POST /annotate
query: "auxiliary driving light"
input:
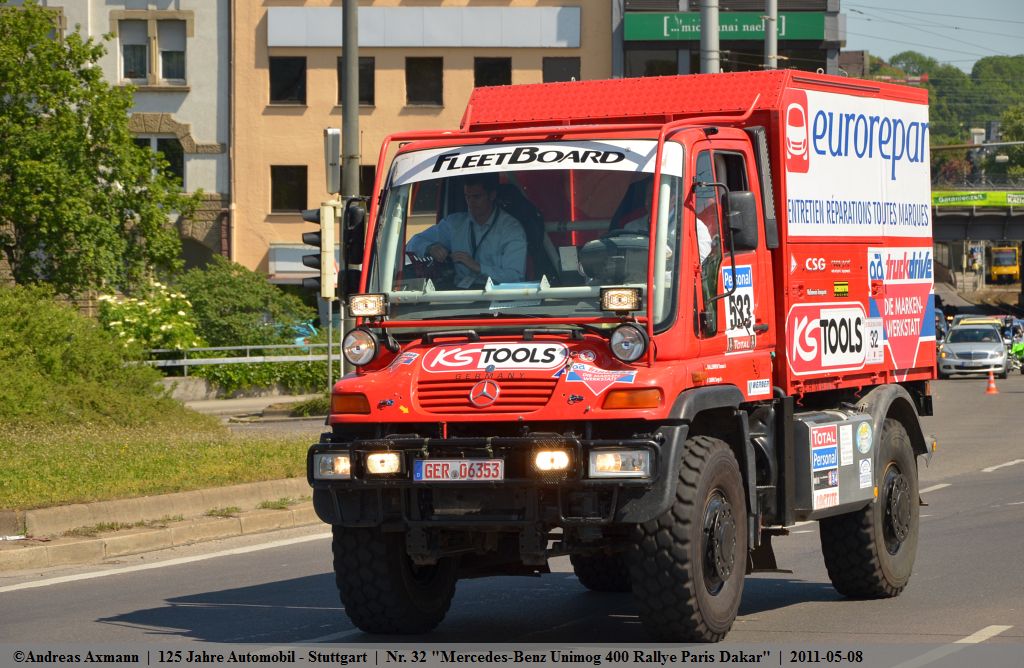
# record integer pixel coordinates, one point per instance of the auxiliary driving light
(551, 460)
(620, 300)
(620, 464)
(367, 306)
(360, 346)
(383, 463)
(628, 342)
(332, 466)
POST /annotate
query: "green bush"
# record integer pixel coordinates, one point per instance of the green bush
(57, 366)
(234, 306)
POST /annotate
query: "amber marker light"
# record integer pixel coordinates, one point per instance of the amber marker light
(619, 399)
(350, 403)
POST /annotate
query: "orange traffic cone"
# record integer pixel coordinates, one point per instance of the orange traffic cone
(991, 389)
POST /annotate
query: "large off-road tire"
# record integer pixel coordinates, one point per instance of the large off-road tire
(870, 553)
(380, 587)
(687, 566)
(602, 572)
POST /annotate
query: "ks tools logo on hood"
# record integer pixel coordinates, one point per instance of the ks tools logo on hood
(495, 356)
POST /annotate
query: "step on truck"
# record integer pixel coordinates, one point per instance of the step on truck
(708, 321)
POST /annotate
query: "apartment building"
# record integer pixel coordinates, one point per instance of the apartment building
(418, 62)
(176, 54)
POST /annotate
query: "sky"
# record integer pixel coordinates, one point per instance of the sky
(953, 32)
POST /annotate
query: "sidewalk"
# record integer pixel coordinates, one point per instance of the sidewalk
(245, 405)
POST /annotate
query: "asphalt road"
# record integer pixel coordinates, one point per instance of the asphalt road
(277, 588)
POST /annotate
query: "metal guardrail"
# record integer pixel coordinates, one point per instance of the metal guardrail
(185, 361)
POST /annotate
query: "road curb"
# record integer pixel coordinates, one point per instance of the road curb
(48, 545)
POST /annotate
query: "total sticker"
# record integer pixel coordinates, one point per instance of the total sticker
(865, 473)
(864, 438)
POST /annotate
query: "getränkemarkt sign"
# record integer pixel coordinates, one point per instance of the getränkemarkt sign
(685, 26)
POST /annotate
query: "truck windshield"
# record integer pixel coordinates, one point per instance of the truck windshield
(526, 229)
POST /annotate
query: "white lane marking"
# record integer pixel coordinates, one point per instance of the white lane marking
(946, 650)
(983, 635)
(163, 564)
(1016, 503)
(803, 531)
(331, 637)
(935, 488)
(1003, 465)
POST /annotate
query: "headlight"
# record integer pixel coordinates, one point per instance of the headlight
(628, 342)
(332, 465)
(620, 464)
(383, 463)
(367, 305)
(359, 347)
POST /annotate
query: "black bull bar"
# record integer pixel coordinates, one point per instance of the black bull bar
(524, 497)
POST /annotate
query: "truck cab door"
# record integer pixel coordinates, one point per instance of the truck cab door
(734, 307)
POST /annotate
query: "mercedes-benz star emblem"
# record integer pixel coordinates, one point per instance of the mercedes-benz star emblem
(484, 393)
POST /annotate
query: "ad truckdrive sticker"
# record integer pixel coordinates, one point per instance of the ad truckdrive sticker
(856, 166)
(904, 306)
(596, 379)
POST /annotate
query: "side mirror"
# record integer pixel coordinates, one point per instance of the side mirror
(742, 219)
(354, 220)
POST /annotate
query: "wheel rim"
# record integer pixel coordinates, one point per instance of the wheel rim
(719, 538)
(898, 505)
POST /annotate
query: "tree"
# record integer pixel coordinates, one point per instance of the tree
(81, 206)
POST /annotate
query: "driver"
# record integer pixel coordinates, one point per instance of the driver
(483, 242)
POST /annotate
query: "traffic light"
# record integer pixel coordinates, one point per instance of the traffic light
(324, 260)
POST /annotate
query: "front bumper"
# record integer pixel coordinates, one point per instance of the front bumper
(524, 498)
(951, 366)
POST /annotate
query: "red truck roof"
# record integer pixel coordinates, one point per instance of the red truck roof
(655, 99)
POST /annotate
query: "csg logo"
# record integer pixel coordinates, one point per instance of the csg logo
(825, 337)
(493, 356)
(814, 264)
(796, 131)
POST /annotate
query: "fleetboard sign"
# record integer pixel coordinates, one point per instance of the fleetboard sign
(491, 357)
(617, 155)
(856, 166)
(905, 305)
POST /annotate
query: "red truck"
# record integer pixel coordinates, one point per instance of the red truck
(653, 396)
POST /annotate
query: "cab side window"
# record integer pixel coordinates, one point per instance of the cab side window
(708, 225)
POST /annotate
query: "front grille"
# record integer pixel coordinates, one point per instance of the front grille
(516, 395)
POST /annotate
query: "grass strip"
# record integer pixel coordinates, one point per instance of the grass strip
(47, 466)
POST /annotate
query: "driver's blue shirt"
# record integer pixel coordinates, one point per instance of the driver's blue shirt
(499, 245)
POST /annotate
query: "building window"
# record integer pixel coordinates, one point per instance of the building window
(561, 69)
(367, 87)
(653, 63)
(153, 45)
(171, 41)
(134, 49)
(492, 72)
(424, 81)
(288, 80)
(287, 188)
(172, 152)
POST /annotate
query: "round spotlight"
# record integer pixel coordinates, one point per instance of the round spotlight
(628, 342)
(359, 347)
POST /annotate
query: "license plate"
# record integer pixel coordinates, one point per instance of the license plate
(459, 470)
